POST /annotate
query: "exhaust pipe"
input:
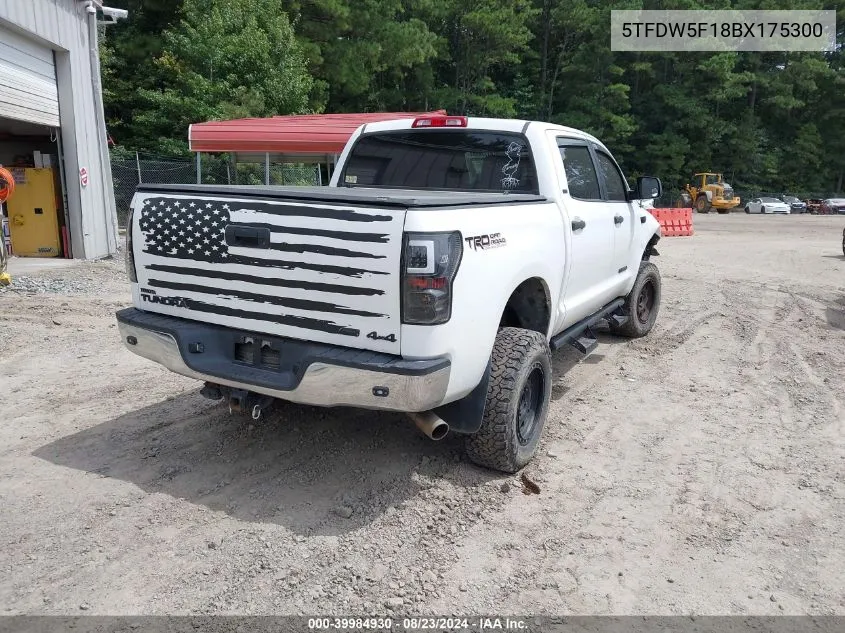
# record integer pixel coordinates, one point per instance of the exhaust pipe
(431, 424)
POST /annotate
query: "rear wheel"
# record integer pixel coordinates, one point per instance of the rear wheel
(702, 205)
(762, 209)
(747, 210)
(642, 304)
(517, 401)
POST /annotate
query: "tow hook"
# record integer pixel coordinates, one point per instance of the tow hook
(260, 404)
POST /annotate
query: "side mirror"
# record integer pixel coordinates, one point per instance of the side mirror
(647, 188)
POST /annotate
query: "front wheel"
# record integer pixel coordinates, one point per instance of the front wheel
(642, 303)
(517, 401)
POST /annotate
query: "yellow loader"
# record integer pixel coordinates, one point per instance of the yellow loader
(710, 191)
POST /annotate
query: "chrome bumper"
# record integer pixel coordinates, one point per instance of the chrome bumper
(322, 384)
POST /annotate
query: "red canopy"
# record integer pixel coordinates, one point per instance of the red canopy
(308, 134)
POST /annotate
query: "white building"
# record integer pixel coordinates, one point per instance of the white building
(51, 113)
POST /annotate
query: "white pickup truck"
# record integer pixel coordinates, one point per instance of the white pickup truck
(434, 276)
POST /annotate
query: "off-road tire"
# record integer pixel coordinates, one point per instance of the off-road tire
(500, 443)
(636, 326)
(704, 207)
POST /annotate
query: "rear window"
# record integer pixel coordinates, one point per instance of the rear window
(456, 160)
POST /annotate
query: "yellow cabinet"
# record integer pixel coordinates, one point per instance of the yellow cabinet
(33, 215)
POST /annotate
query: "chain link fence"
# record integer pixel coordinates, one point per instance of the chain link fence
(129, 172)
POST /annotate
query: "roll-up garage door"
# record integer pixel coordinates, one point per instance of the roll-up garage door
(28, 90)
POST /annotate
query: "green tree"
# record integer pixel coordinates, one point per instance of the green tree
(128, 51)
(224, 59)
(770, 121)
(485, 41)
(363, 54)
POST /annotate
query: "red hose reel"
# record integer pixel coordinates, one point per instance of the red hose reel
(7, 184)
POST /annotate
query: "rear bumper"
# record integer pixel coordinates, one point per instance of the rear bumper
(307, 373)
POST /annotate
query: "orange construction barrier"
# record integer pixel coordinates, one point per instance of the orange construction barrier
(674, 222)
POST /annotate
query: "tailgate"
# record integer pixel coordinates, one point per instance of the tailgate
(306, 270)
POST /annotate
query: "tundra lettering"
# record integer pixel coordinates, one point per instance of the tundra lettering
(178, 302)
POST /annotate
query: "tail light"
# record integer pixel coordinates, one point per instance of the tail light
(130, 256)
(430, 263)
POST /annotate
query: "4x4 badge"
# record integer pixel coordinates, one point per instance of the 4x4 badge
(375, 336)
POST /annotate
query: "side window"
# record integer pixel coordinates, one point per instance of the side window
(616, 190)
(580, 172)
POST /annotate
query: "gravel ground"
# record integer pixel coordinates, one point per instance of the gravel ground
(699, 470)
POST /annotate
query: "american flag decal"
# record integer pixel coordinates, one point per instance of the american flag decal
(185, 230)
(320, 268)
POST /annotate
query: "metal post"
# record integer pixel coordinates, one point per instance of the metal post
(61, 167)
(320, 173)
(106, 181)
(138, 164)
(199, 168)
(233, 158)
(267, 168)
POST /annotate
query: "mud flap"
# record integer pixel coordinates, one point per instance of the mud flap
(465, 415)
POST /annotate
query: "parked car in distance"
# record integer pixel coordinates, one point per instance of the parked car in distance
(795, 205)
(833, 205)
(814, 205)
(766, 205)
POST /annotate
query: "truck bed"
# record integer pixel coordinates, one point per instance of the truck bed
(370, 197)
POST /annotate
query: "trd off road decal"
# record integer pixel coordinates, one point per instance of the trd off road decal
(486, 241)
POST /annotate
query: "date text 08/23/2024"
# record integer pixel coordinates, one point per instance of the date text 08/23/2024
(418, 624)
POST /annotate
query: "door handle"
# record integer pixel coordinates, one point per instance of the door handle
(578, 224)
(247, 236)
(618, 219)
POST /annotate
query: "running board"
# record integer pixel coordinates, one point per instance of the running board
(580, 335)
(617, 320)
(586, 343)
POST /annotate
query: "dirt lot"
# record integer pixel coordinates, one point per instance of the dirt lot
(699, 470)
